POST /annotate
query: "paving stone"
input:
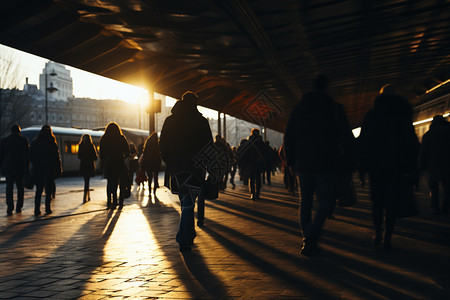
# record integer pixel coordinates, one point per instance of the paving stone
(247, 250)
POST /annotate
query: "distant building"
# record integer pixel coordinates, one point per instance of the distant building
(65, 110)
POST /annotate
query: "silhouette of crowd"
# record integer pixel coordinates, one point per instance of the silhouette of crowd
(318, 158)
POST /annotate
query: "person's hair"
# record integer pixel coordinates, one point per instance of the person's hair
(438, 119)
(151, 142)
(189, 96)
(15, 128)
(47, 133)
(321, 82)
(86, 138)
(113, 130)
(388, 89)
(255, 131)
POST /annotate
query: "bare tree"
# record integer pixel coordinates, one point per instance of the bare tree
(14, 103)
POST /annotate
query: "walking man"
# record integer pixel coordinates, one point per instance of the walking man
(316, 139)
(15, 162)
(184, 135)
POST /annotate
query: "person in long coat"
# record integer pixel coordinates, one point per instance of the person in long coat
(255, 155)
(184, 136)
(434, 156)
(388, 149)
(315, 138)
(113, 151)
(46, 167)
(87, 155)
(150, 160)
(15, 162)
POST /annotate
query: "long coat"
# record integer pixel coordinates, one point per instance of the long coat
(87, 155)
(15, 154)
(434, 153)
(113, 151)
(45, 159)
(184, 135)
(318, 136)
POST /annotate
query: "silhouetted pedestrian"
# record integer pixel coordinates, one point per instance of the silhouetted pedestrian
(15, 162)
(388, 149)
(150, 160)
(224, 155)
(233, 166)
(113, 151)
(185, 134)
(434, 156)
(87, 154)
(254, 154)
(46, 167)
(314, 139)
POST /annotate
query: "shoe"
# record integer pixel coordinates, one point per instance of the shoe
(377, 239)
(37, 212)
(18, 211)
(200, 224)
(309, 249)
(9, 213)
(252, 197)
(120, 206)
(387, 246)
(48, 211)
(185, 248)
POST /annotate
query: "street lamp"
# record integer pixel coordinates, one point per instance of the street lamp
(50, 89)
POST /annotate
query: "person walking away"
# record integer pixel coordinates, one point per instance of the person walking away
(388, 149)
(185, 134)
(46, 167)
(315, 135)
(15, 162)
(113, 151)
(87, 156)
(150, 160)
(434, 157)
(233, 166)
(255, 154)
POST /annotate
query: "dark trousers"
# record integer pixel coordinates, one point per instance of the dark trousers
(86, 184)
(433, 184)
(14, 177)
(186, 231)
(111, 190)
(382, 190)
(232, 174)
(255, 182)
(323, 185)
(153, 174)
(47, 183)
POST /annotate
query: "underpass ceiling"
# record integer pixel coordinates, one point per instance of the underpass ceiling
(250, 59)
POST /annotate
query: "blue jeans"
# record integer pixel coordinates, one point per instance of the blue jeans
(323, 184)
(186, 231)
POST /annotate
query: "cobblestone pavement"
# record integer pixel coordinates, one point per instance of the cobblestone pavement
(247, 250)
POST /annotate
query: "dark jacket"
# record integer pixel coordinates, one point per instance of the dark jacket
(254, 154)
(113, 151)
(184, 134)
(388, 140)
(45, 159)
(434, 153)
(151, 157)
(87, 155)
(15, 154)
(318, 136)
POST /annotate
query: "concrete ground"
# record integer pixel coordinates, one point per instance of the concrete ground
(247, 250)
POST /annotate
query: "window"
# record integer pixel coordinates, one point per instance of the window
(32, 116)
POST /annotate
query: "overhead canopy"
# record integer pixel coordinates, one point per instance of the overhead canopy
(252, 59)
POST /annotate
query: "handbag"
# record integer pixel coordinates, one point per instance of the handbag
(211, 189)
(405, 203)
(141, 176)
(28, 181)
(346, 192)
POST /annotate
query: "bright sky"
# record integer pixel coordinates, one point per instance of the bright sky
(85, 84)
